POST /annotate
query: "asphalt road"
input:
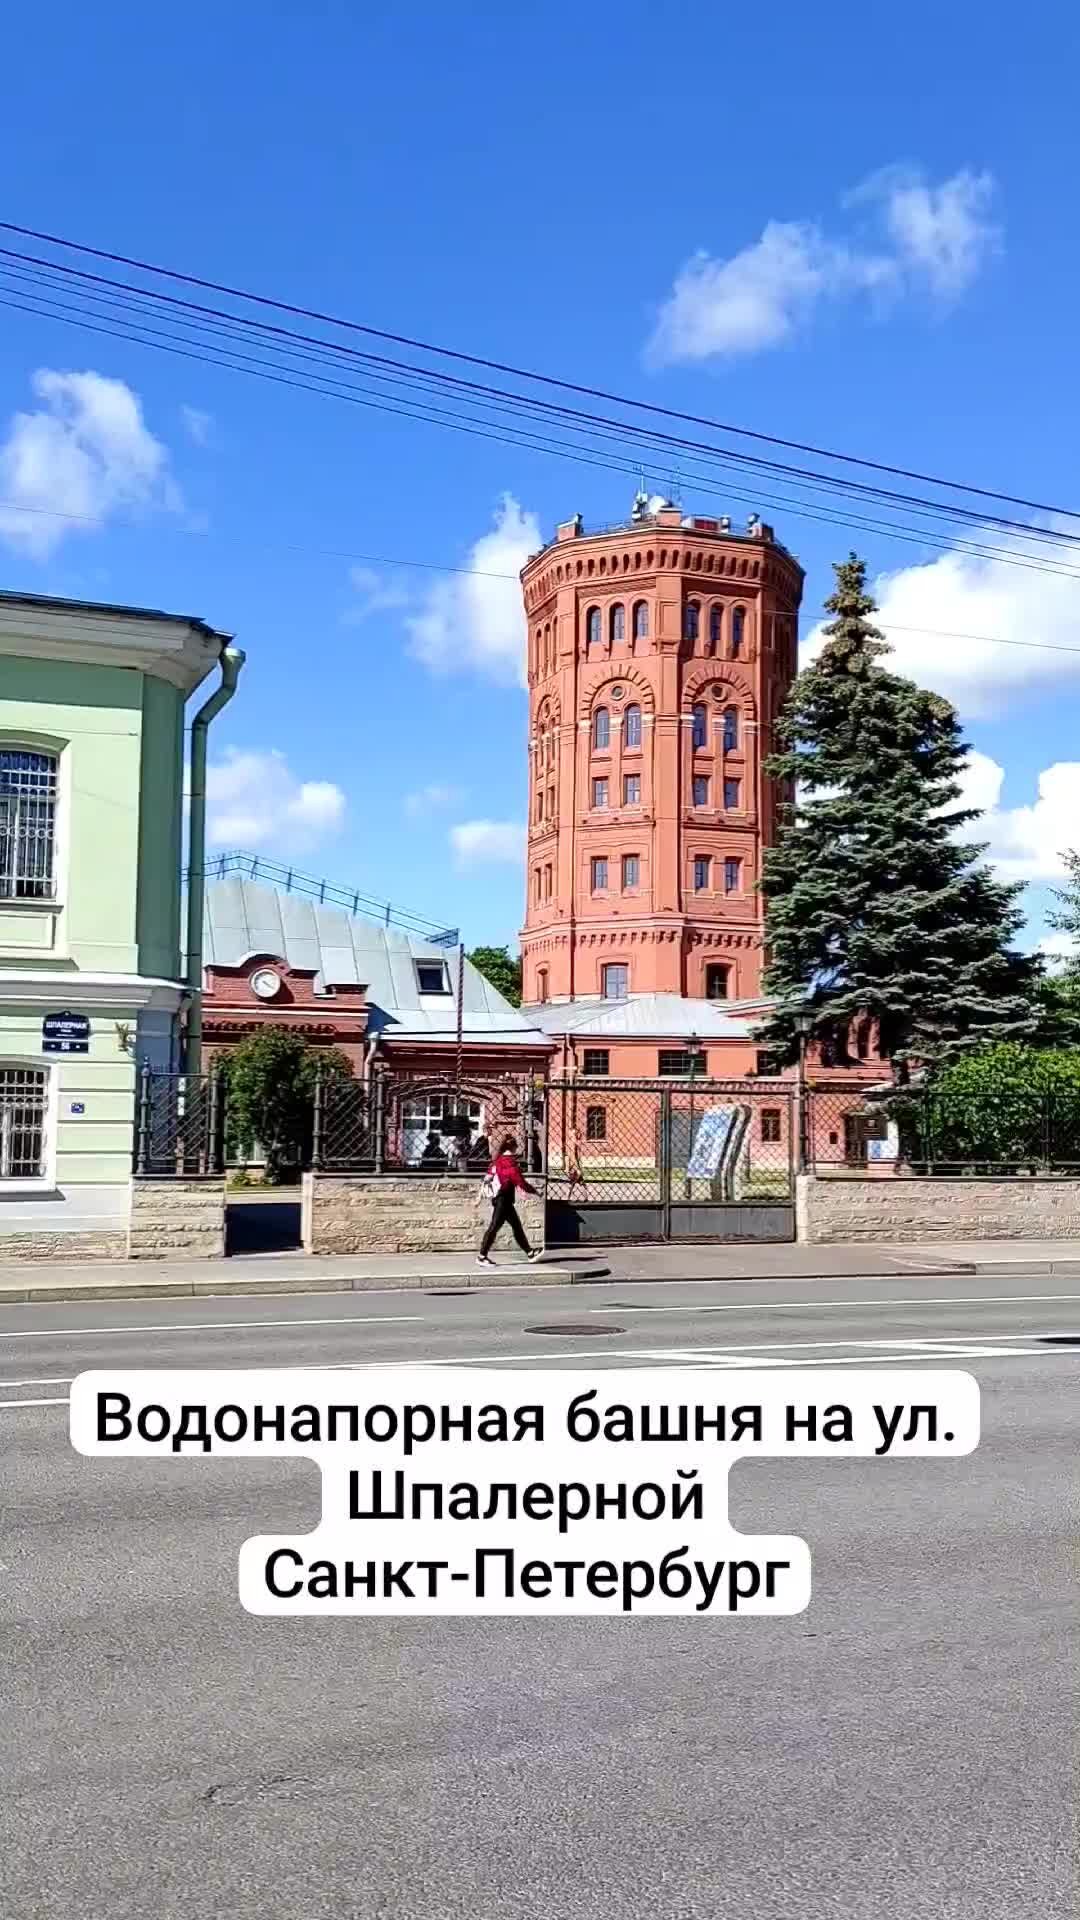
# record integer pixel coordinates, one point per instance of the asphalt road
(907, 1747)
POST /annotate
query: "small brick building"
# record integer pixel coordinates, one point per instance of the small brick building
(273, 958)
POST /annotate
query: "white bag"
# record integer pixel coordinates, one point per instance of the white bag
(490, 1186)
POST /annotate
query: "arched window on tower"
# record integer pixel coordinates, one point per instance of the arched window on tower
(632, 727)
(592, 628)
(731, 729)
(641, 620)
(601, 729)
(618, 624)
(715, 628)
(691, 620)
(701, 725)
(738, 624)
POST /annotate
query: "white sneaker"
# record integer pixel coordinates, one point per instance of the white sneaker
(537, 1253)
(482, 1260)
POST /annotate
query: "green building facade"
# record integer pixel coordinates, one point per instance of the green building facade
(92, 705)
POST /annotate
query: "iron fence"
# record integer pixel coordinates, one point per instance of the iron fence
(179, 1126)
(436, 1124)
(1014, 1132)
(664, 1142)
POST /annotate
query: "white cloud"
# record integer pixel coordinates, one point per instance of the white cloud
(432, 799)
(980, 631)
(487, 842)
(374, 594)
(1057, 948)
(198, 426)
(981, 783)
(86, 453)
(758, 297)
(1027, 843)
(255, 800)
(475, 620)
(943, 233)
(933, 239)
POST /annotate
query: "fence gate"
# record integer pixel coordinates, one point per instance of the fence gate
(669, 1160)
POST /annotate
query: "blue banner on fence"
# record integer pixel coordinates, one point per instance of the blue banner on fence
(711, 1136)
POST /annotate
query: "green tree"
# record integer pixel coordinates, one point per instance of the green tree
(1009, 1107)
(269, 1080)
(498, 965)
(875, 906)
(1065, 917)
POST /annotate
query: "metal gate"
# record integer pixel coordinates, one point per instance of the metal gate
(631, 1160)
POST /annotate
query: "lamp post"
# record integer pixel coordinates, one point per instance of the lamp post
(690, 1141)
(804, 1027)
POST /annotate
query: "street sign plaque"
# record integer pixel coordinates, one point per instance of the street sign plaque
(65, 1033)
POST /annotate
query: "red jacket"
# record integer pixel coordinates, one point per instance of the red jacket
(509, 1173)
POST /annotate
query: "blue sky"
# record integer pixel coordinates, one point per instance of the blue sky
(532, 184)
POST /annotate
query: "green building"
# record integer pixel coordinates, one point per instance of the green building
(92, 980)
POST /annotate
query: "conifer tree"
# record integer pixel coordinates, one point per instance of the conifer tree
(875, 906)
(1065, 917)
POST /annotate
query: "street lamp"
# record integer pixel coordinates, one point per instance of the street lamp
(804, 1027)
(694, 1043)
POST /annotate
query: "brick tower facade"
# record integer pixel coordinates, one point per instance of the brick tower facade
(659, 654)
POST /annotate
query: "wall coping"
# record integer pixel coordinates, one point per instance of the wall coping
(849, 1177)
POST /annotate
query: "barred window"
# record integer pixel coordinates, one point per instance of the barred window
(27, 824)
(677, 1063)
(22, 1122)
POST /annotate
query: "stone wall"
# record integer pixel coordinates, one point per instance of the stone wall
(177, 1220)
(357, 1213)
(100, 1244)
(842, 1206)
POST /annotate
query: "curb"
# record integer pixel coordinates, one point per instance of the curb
(231, 1289)
(233, 1286)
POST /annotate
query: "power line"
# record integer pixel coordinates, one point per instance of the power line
(521, 373)
(33, 267)
(326, 354)
(802, 619)
(364, 396)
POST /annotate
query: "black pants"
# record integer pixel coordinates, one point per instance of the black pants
(504, 1213)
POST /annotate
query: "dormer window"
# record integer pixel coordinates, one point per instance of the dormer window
(431, 977)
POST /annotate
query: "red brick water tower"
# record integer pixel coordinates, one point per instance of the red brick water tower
(659, 654)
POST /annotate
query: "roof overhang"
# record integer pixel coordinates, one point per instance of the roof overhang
(171, 647)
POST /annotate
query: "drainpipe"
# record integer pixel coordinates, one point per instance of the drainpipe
(231, 661)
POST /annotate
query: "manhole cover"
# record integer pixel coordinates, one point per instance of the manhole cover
(575, 1333)
(1059, 1339)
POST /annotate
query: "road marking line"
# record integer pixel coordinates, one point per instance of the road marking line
(35, 1403)
(708, 1359)
(55, 1380)
(402, 1319)
(212, 1326)
(778, 1306)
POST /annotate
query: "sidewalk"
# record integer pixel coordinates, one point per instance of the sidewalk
(299, 1273)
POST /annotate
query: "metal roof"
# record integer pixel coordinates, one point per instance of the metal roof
(49, 600)
(661, 1016)
(243, 918)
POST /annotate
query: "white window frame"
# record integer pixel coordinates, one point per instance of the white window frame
(45, 1181)
(59, 749)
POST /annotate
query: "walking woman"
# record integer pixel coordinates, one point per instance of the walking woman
(501, 1183)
